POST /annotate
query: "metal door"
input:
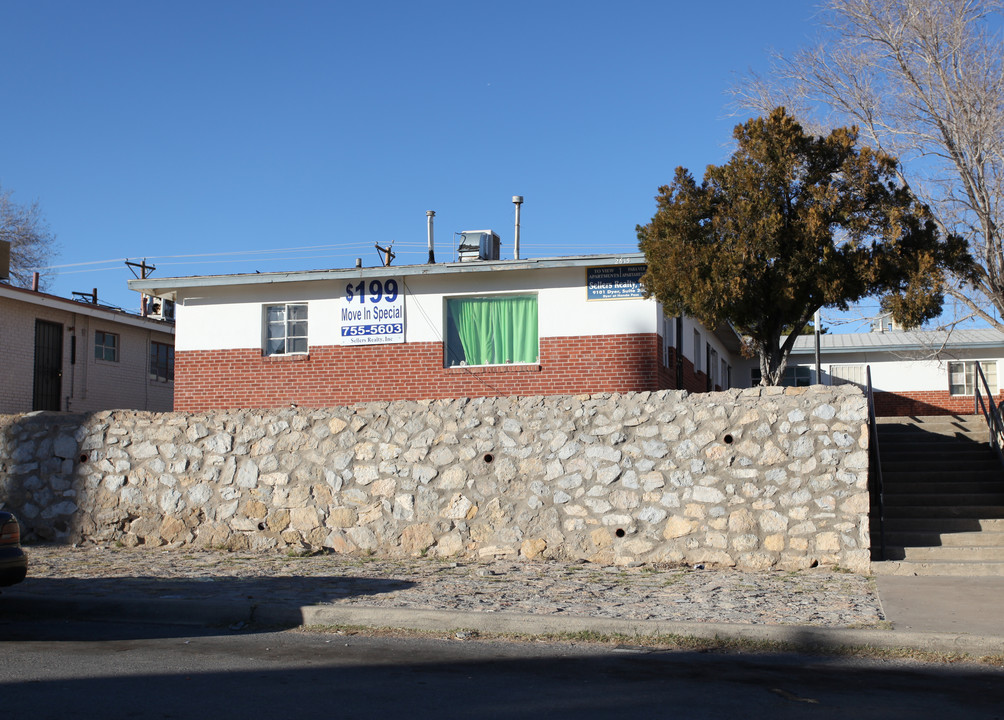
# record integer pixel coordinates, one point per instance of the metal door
(47, 388)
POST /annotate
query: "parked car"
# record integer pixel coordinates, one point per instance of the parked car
(13, 563)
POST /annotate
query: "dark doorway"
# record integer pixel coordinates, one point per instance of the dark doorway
(679, 353)
(708, 367)
(48, 385)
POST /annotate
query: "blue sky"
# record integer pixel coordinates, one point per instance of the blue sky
(222, 137)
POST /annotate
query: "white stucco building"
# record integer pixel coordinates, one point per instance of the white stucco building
(328, 337)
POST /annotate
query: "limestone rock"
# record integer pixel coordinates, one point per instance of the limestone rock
(532, 548)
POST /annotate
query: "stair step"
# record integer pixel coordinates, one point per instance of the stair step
(936, 539)
(952, 447)
(947, 511)
(946, 501)
(948, 429)
(947, 569)
(989, 477)
(942, 486)
(933, 442)
(983, 463)
(945, 554)
(943, 497)
(931, 451)
(927, 421)
(939, 525)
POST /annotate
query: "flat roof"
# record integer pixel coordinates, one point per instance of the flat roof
(168, 287)
(103, 312)
(901, 340)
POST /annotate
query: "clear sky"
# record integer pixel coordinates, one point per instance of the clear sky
(222, 137)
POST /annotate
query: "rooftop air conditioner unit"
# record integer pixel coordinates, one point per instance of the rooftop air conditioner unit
(478, 245)
(159, 308)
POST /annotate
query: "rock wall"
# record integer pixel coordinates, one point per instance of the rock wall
(754, 478)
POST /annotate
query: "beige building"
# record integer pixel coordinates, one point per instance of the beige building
(59, 354)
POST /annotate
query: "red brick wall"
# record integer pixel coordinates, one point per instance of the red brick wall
(339, 375)
(694, 382)
(923, 402)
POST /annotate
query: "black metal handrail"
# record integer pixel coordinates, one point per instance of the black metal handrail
(990, 411)
(875, 467)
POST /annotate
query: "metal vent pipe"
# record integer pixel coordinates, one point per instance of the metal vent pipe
(432, 254)
(517, 201)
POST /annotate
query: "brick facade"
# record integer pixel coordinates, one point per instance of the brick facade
(925, 402)
(695, 382)
(339, 375)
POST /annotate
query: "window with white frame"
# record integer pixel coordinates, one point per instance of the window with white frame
(668, 341)
(794, 376)
(286, 329)
(714, 367)
(962, 377)
(697, 352)
(725, 379)
(491, 330)
(106, 346)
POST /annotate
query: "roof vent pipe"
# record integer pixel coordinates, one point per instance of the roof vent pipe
(517, 201)
(432, 255)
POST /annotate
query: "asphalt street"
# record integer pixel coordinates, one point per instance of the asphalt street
(145, 671)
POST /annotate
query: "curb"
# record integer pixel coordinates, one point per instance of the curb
(798, 636)
(216, 613)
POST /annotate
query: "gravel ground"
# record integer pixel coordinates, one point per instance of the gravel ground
(817, 597)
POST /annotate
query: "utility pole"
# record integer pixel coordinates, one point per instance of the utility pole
(143, 268)
(816, 331)
(388, 254)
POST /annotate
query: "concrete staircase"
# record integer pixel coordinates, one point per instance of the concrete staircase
(944, 498)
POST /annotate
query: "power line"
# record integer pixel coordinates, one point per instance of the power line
(346, 247)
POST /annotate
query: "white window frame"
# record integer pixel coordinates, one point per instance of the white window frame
(115, 346)
(300, 341)
(448, 357)
(668, 339)
(697, 352)
(965, 371)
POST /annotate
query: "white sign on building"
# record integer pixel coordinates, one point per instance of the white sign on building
(371, 312)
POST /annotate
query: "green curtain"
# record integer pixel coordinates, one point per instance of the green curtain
(496, 330)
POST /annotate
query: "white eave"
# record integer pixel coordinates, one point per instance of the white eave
(169, 287)
(100, 312)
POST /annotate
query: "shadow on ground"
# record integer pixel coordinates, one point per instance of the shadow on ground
(308, 675)
(212, 601)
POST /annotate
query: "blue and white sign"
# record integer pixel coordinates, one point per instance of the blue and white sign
(616, 282)
(371, 312)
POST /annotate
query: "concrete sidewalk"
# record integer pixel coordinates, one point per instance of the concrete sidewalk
(814, 609)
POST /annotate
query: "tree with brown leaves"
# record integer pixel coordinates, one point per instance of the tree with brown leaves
(790, 224)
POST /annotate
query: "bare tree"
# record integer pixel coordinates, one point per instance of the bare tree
(32, 244)
(924, 81)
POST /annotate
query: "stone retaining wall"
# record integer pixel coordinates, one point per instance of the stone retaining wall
(755, 478)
